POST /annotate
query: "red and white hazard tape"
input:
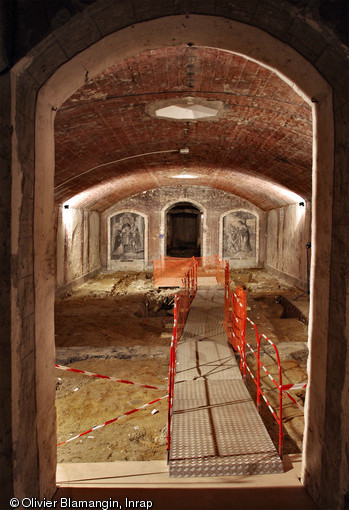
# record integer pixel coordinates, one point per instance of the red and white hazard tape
(298, 386)
(270, 408)
(91, 374)
(270, 376)
(113, 420)
(248, 345)
(267, 339)
(250, 372)
(295, 401)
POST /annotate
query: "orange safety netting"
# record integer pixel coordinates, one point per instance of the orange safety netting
(170, 271)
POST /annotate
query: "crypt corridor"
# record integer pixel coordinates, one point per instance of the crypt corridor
(122, 123)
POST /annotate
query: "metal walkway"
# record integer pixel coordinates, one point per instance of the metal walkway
(216, 430)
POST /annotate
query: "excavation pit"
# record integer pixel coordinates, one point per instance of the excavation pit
(120, 325)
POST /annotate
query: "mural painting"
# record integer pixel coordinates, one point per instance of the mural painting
(239, 236)
(127, 237)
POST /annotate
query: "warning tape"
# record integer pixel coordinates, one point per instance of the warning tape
(295, 401)
(298, 386)
(270, 408)
(91, 374)
(113, 420)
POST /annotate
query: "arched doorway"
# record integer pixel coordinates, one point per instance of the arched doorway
(184, 231)
(211, 31)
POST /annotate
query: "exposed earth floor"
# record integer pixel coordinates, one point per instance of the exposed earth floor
(119, 325)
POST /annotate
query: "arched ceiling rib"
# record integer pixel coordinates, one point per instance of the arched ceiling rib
(257, 147)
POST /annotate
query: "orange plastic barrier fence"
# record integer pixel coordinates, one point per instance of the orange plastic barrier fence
(169, 271)
(207, 266)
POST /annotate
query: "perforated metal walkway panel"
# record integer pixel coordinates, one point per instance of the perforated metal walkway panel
(216, 429)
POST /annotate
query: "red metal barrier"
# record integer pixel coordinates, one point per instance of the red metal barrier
(238, 319)
(257, 380)
(235, 317)
(260, 365)
(181, 309)
(172, 373)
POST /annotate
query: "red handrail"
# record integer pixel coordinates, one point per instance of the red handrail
(171, 374)
(181, 309)
(235, 326)
(236, 332)
(239, 342)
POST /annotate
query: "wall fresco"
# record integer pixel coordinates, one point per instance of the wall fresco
(127, 231)
(239, 236)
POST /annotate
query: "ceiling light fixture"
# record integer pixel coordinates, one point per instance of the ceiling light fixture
(186, 108)
(186, 112)
(184, 176)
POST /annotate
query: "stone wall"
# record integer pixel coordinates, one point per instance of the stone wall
(78, 247)
(6, 447)
(215, 207)
(231, 227)
(288, 233)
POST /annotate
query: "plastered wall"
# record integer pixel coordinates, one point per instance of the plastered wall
(288, 233)
(153, 206)
(78, 247)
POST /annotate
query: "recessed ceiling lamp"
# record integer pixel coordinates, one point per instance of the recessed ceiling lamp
(184, 176)
(186, 108)
(186, 112)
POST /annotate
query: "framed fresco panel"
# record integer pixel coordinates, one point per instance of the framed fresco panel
(239, 237)
(127, 232)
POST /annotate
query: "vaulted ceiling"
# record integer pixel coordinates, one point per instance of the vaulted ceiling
(110, 144)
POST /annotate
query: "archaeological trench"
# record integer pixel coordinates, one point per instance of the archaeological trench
(119, 324)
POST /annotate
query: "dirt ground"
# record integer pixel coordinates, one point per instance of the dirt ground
(120, 326)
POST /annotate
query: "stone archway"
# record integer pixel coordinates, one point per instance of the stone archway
(203, 224)
(183, 236)
(207, 31)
